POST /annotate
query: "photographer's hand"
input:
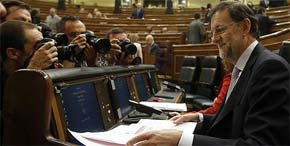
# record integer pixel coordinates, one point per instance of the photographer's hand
(44, 57)
(90, 55)
(115, 51)
(81, 41)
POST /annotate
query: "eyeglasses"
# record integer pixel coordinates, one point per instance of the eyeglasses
(220, 29)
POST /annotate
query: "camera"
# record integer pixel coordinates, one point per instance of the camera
(64, 52)
(127, 47)
(101, 45)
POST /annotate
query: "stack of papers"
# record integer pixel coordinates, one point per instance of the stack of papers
(180, 107)
(123, 133)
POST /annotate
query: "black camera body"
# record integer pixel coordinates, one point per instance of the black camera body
(127, 47)
(101, 45)
(64, 52)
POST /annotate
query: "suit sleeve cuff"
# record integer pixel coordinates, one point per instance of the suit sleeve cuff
(186, 139)
(200, 116)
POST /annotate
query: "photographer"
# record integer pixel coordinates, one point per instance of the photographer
(73, 30)
(89, 51)
(18, 50)
(16, 10)
(88, 47)
(128, 49)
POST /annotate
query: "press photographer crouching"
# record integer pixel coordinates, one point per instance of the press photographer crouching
(18, 50)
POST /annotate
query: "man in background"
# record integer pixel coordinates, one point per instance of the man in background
(16, 10)
(155, 51)
(196, 31)
(138, 13)
(52, 19)
(264, 22)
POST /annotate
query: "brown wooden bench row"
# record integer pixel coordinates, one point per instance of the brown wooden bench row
(72, 8)
(272, 41)
(149, 13)
(171, 27)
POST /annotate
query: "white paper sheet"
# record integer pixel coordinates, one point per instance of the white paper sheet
(121, 134)
(181, 107)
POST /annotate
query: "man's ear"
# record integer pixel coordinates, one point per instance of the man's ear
(12, 54)
(246, 25)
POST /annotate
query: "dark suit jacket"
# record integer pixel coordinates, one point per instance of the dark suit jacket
(257, 111)
(156, 51)
(265, 24)
(136, 15)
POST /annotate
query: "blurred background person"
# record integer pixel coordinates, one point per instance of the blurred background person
(264, 22)
(52, 19)
(61, 5)
(16, 10)
(154, 50)
(134, 38)
(251, 6)
(138, 13)
(264, 3)
(35, 19)
(206, 14)
(196, 31)
(2, 10)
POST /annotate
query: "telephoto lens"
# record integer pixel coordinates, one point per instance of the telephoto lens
(64, 52)
(101, 45)
(127, 47)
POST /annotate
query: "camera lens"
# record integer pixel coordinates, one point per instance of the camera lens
(101, 45)
(66, 52)
(127, 47)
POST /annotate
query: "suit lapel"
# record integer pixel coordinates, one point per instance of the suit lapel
(239, 89)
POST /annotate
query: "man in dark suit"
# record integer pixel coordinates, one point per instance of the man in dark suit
(256, 108)
(196, 31)
(264, 22)
(155, 51)
(138, 13)
(264, 3)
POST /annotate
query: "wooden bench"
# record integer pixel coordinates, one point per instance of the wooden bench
(278, 36)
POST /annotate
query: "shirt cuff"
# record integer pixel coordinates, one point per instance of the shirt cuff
(200, 116)
(186, 139)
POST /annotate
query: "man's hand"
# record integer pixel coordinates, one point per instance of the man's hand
(44, 57)
(90, 55)
(81, 41)
(166, 137)
(189, 117)
(114, 53)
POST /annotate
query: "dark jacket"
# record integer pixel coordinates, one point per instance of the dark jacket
(265, 24)
(137, 14)
(257, 110)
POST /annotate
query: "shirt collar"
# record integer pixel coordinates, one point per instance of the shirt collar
(241, 63)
